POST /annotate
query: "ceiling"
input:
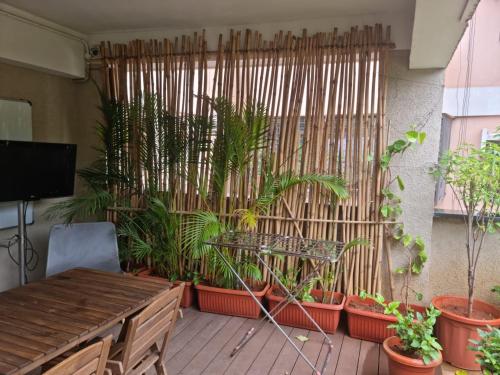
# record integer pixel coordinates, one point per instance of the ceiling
(97, 16)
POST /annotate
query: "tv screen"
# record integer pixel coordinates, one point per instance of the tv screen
(34, 170)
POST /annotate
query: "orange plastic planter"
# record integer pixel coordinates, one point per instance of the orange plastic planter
(402, 365)
(188, 293)
(454, 331)
(229, 301)
(368, 325)
(326, 315)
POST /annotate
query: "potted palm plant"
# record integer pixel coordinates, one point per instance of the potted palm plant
(413, 349)
(474, 177)
(243, 136)
(153, 241)
(323, 305)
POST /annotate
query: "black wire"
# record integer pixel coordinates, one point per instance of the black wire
(31, 256)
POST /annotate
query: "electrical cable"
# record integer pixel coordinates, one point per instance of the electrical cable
(31, 256)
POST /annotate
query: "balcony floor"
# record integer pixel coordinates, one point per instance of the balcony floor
(202, 342)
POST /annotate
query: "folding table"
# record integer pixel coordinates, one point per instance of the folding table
(320, 252)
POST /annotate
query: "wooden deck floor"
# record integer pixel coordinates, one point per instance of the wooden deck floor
(202, 342)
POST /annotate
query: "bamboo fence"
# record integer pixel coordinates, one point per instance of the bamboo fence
(325, 97)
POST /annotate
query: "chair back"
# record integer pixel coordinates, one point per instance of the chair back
(87, 245)
(155, 323)
(88, 361)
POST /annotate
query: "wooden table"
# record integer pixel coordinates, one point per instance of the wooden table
(42, 320)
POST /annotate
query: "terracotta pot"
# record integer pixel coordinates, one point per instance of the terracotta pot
(326, 315)
(454, 331)
(403, 365)
(229, 301)
(368, 325)
(188, 293)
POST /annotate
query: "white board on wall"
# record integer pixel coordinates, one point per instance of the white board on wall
(15, 125)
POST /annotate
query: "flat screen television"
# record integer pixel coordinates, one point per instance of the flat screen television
(35, 170)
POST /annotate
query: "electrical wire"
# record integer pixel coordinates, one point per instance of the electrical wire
(31, 256)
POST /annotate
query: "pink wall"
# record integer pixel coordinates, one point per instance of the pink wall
(474, 128)
(486, 61)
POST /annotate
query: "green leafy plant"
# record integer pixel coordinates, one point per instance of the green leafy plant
(413, 246)
(241, 138)
(414, 329)
(488, 350)
(474, 177)
(153, 240)
(290, 279)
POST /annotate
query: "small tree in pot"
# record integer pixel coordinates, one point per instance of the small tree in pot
(474, 177)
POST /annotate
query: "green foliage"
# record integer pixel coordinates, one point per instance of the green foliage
(414, 329)
(290, 279)
(152, 237)
(390, 209)
(488, 350)
(474, 177)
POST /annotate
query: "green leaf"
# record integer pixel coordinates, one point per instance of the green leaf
(412, 136)
(421, 137)
(400, 270)
(406, 240)
(419, 242)
(400, 183)
(302, 338)
(385, 210)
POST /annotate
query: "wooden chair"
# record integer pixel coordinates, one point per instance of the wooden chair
(139, 350)
(90, 360)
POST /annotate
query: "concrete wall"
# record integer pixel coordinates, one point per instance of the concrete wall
(63, 111)
(448, 266)
(414, 97)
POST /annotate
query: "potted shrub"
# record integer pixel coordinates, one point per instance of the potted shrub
(488, 350)
(221, 292)
(474, 177)
(413, 349)
(152, 236)
(365, 317)
(323, 305)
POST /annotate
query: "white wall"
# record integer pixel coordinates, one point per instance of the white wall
(30, 41)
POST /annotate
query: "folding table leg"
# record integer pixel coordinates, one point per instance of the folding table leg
(269, 316)
(276, 309)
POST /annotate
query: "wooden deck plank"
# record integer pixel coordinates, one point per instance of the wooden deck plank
(223, 359)
(288, 356)
(199, 362)
(245, 357)
(269, 353)
(349, 354)
(187, 334)
(337, 340)
(312, 349)
(368, 358)
(202, 339)
(188, 316)
(383, 364)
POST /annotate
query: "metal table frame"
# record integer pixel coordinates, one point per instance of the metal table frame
(260, 244)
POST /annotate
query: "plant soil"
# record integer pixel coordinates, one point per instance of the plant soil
(279, 293)
(375, 308)
(476, 313)
(398, 349)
